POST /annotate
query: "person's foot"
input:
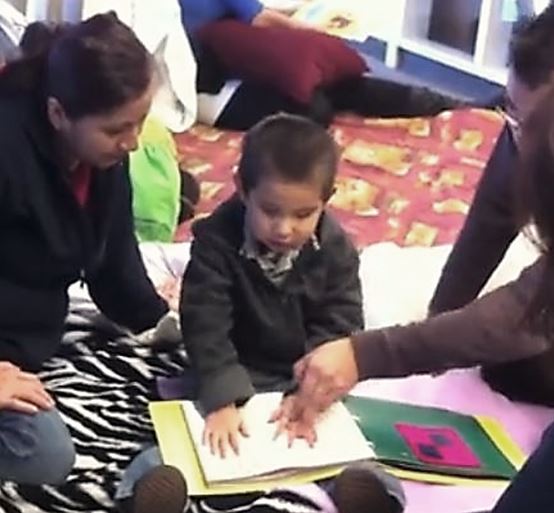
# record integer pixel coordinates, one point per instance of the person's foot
(427, 102)
(364, 488)
(162, 490)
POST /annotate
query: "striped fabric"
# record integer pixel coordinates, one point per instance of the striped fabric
(103, 381)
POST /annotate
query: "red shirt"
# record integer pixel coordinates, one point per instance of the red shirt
(80, 183)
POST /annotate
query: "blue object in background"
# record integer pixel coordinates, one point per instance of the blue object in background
(197, 13)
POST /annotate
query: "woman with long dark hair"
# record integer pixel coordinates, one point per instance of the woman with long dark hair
(68, 118)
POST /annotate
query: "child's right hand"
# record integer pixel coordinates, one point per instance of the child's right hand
(222, 430)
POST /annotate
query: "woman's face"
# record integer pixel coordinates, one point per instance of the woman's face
(102, 140)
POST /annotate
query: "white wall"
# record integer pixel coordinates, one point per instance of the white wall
(56, 10)
(18, 4)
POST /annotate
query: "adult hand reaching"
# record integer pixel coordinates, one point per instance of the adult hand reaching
(326, 374)
(272, 18)
(21, 391)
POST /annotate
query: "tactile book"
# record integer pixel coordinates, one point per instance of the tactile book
(339, 441)
(435, 440)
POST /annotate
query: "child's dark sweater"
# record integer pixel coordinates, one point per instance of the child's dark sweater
(243, 332)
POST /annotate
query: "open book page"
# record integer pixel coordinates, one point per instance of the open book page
(349, 19)
(339, 441)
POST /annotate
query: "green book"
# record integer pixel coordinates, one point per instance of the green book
(434, 440)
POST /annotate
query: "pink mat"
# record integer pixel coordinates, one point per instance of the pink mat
(463, 391)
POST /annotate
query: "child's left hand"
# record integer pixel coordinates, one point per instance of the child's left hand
(296, 419)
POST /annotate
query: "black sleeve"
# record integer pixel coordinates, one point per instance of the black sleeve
(2, 191)
(340, 312)
(207, 321)
(490, 228)
(120, 286)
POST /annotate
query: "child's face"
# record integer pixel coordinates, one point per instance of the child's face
(283, 215)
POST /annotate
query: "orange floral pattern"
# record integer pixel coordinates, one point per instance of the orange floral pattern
(408, 181)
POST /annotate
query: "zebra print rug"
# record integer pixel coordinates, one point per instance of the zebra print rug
(102, 382)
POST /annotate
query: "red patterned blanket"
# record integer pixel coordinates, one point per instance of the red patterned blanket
(409, 181)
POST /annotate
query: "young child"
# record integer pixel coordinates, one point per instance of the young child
(271, 276)
(273, 268)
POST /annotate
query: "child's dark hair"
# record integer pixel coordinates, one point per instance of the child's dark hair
(91, 68)
(532, 49)
(292, 148)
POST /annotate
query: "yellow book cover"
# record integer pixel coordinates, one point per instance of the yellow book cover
(178, 449)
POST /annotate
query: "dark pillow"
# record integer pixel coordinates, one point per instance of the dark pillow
(293, 61)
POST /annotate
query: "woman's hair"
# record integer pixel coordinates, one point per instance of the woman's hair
(38, 37)
(90, 68)
(532, 49)
(535, 186)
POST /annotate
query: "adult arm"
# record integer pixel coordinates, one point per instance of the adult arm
(119, 285)
(489, 330)
(254, 12)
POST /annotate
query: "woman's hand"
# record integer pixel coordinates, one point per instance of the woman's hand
(326, 374)
(21, 391)
(296, 420)
(223, 429)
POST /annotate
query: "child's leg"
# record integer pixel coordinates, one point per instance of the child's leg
(146, 461)
(365, 487)
(149, 485)
(35, 449)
